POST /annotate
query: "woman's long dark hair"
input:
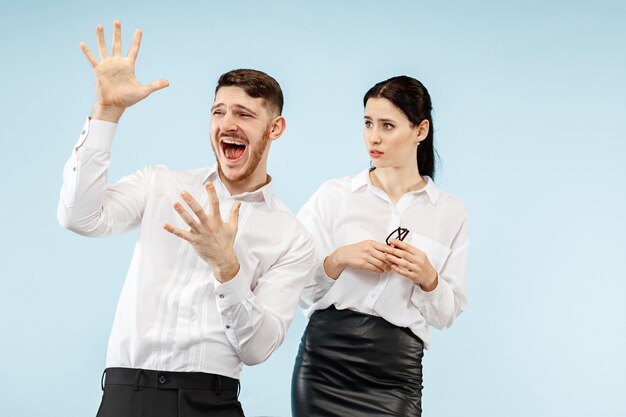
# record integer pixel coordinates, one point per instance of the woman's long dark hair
(412, 98)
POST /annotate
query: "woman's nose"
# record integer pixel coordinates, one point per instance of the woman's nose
(373, 137)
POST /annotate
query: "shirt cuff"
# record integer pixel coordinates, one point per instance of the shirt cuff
(420, 296)
(97, 134)
(321, 278)
(231, 292)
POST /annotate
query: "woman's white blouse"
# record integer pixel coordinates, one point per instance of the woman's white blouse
(349, 210)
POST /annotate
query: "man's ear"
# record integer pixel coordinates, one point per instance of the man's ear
(277, 127)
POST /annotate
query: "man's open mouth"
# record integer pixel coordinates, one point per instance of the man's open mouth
(233, 149)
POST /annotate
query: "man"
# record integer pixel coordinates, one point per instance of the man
(202, 296)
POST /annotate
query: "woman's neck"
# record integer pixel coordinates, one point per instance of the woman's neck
(396, 182)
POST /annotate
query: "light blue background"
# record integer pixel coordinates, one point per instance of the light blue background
(529, 116)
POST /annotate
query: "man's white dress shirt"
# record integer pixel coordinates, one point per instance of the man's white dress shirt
(349, 210)
(173, 315)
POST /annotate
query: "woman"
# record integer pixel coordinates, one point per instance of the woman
(391, 249)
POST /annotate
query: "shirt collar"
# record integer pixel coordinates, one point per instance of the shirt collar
(362, 179)
(262, 194)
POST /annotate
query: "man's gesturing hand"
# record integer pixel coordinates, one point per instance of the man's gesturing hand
(211, 238)
(116, 85)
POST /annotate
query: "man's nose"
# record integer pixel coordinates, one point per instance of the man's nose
(228, 124)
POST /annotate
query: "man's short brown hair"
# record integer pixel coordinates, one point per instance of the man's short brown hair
(256, 84)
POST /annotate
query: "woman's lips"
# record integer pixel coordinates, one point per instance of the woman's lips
(375, 153)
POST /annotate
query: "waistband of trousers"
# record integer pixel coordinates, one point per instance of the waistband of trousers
(146, 378)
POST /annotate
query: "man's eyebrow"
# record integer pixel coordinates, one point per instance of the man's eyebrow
(238, 107)
(244, 108)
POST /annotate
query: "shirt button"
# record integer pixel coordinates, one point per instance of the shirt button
(161, 379)
(83, 132)
(74, 169)
(221, 295)
(228, 326)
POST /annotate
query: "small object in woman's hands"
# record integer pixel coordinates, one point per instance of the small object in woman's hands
(400, 233)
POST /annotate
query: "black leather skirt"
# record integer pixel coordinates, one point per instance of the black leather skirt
(355, 365)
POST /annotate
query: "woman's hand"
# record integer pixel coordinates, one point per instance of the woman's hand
(412, 263)
(368, 255)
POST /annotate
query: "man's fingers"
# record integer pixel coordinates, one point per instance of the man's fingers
(214, 202)
(102, 45)
(154, 86)
(92, 60)
(233, 218)
(186, 217)
(134, 46)
(194, 206)
(117, 38)
(178, 232)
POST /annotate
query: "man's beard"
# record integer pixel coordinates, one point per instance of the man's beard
(253, 160)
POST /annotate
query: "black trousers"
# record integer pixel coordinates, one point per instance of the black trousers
(146, 393)
(356, 365)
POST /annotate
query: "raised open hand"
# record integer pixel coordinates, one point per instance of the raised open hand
(116, 85)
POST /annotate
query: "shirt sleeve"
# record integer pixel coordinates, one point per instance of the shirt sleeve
(87, 204)
(441, 306)
(319, 283)
(256, 321)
